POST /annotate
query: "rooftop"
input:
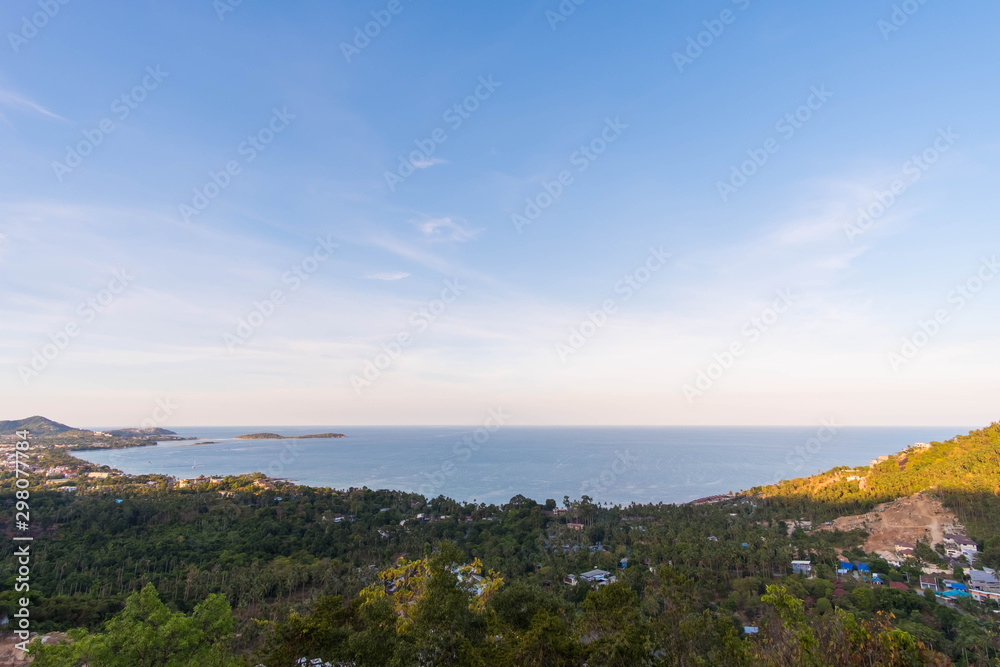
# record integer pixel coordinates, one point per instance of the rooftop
(593, 574)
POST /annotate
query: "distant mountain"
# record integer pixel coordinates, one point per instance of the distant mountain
(35, 425)
(140, 432)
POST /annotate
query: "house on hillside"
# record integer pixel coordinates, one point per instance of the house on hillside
(956, 546)
(982, 580)
(983, 596)
(890, 558)
(598, 577)
(802, 567)
(928, 582)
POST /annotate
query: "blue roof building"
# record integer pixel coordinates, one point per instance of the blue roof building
(952, 595)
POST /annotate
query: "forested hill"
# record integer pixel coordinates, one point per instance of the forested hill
(964, 464)
(36, 425)
(963, 472)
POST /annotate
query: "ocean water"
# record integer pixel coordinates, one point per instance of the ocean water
(671, 464)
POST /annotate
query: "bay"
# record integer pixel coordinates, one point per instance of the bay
(670, 464)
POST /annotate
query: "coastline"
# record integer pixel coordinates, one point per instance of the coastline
(657, 465)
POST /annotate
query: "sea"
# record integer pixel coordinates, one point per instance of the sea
(617, 465)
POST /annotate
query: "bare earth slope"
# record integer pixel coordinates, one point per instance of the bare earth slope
(903, 520)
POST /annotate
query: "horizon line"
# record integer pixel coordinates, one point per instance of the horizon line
(506, 426)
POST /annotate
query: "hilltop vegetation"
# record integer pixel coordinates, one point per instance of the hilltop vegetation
(37, 425)
(966, 463)
(964, 472)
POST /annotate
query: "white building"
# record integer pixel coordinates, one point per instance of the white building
(598, 577)
(982, 580)
(956, 546)
(802, 566)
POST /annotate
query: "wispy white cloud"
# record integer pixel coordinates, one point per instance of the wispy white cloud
(446, 229)
(389, 275)
(428, 162)
(12, 100)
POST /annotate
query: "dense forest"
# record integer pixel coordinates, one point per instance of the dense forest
(249, 571)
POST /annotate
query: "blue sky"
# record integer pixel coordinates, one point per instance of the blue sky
(642, 138)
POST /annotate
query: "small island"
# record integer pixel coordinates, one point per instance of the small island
(275, 436)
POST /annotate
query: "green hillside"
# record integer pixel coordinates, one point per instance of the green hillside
(966, 463)
(964, 472)
(36, 425)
